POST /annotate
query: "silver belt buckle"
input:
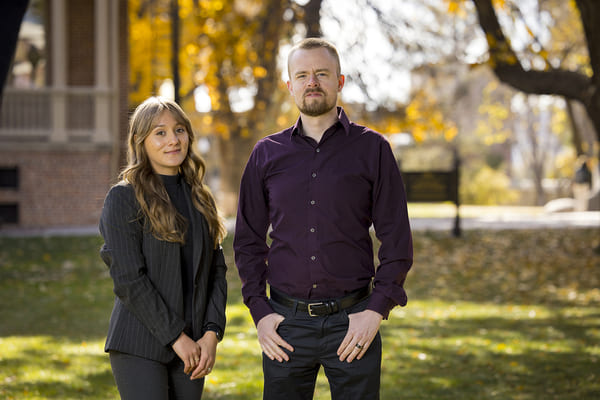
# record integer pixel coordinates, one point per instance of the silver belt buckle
(310, 305)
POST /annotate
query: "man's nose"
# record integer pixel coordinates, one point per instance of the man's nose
(313, 80)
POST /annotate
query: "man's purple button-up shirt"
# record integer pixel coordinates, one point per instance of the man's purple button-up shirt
(321, 199)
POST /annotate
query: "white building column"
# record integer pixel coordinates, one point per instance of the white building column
(104, 87)
(58, 132)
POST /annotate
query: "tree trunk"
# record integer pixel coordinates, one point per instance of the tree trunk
(312, 18)
(577, 138)
(590, 15)
(244, 129)
(233, 157)
(175, 49)
(537, 159)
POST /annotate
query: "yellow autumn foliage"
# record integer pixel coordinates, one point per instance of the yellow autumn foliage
(425, 119)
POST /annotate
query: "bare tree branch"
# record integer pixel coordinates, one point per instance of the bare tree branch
(506, 65)
(572, 85)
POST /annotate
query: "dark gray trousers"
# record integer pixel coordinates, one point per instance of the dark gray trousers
(138, 378)
(315, 341)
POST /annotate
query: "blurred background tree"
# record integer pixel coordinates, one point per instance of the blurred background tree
(444, 71)
(230, 78)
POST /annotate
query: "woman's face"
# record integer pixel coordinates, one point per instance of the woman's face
(167, 144)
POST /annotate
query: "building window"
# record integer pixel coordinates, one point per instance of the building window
(9, 178)
(29, 65)
(9, 214)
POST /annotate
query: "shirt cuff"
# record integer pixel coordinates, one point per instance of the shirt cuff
(381, 304)
(259, 309)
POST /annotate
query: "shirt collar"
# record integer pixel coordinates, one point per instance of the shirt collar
(342, 119)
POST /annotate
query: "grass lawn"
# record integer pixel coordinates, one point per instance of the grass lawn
(491, 315)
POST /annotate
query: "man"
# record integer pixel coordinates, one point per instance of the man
(321, 184)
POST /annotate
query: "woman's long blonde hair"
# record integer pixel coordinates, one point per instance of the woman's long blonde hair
(164, 221)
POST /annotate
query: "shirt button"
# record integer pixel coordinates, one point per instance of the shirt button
(312, 230)
(314, 285)
(313, 258)
(314, 175)
(318, 150)
(312, 202)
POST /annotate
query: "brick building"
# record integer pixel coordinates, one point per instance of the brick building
(63, 116)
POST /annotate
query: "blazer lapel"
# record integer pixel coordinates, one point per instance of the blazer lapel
(199, 232)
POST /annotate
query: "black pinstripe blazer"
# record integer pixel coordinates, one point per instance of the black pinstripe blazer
(148, 311)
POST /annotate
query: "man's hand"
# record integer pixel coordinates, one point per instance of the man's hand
(362, 328)
(270, 341)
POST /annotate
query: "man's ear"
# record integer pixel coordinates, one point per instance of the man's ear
(341, 81)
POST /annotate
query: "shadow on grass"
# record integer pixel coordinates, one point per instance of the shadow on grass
(492, 357)
(64, 390)
(54, 368)
(579, 330)
(492, 315)
(529, 375)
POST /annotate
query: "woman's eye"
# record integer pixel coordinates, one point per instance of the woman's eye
(181, 130)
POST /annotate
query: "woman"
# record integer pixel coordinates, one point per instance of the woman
(162, 232)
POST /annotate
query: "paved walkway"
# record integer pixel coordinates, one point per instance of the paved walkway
(588, 219)
(506, 220)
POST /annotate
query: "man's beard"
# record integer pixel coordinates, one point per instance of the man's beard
(318, 106)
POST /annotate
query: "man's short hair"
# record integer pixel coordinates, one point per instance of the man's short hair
(316, 43)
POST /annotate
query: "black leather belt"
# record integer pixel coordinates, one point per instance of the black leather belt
(321, 308)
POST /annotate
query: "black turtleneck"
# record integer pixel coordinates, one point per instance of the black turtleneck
(174, 185)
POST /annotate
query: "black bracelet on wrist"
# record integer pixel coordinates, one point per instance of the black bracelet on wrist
(216, 330)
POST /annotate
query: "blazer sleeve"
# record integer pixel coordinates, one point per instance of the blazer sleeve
(123, 234)
(217, 298)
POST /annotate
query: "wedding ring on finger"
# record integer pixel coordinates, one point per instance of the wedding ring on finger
(359, 346)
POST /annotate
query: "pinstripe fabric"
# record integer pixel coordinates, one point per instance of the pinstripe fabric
(146, 272)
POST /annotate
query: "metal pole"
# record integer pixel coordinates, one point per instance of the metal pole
(457, 231)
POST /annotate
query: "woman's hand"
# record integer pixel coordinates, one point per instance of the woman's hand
(188, 351)
(208, 352)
